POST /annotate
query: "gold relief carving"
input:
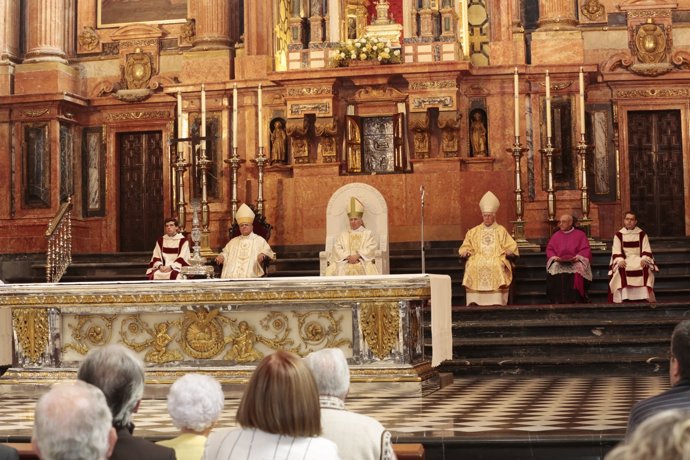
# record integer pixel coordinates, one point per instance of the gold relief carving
(650, 42)
(32, 331)
(89, 39)
(326, 129)
(188, 31)
(440, 84)
(317, 108)
(557, 86)
(157, 339)
(378, 93)
(449, 122)
(424, 102)
(35, 113)
(419, 124)
(201, 334)
(652, 92)
(242, 345)
(593, 10)
(90, 331)
(315, 91)
(320, 328)
(142, 43)
(279, 323)
(138, 69)
(206, 297)
(125, 116)
(645, 14)
(299, 146)
(380, 323)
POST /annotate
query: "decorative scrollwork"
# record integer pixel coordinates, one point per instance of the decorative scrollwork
(89, 39)
(380, 323)
(90, 331)
(157, 341)
(32, 331)
(319, 329)
(280, 325)
(35, 113)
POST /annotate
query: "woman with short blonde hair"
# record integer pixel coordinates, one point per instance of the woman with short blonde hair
(279, 416)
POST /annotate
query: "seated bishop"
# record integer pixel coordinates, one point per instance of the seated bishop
(488, 248)
(632, 264)
(244, 255)
(354, 250)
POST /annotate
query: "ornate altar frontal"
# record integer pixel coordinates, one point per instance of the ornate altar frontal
(224, 327)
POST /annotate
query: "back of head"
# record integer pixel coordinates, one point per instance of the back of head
(119, 373)
(72, 422)
(195, 402)
(281, 398)
(330, 371)
(663, 436)
(680, 347)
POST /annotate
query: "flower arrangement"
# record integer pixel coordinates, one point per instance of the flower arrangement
(365, 48)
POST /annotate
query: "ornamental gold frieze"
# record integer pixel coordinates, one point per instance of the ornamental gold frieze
(35, 113)
(440, 84)
(32, 332)
(646, 14)
(174, 297)
(380, 323)
(129, 116)
(309, 91)
(652, 92)
(422, 103)
(321, 108)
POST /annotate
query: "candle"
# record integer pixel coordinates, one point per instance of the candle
(548, 105)
(234, 116)
(179, 122)
(261, 140)
(516, 92)
(582, 102)
(203, 117)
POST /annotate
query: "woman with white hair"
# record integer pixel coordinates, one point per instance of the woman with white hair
(195, 403)
(664, 436)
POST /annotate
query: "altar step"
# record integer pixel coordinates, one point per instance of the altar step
(582, 338)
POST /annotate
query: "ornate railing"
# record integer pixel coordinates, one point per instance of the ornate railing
(59, 236)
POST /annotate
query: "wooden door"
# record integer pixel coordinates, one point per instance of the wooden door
(141, 189)
(655, 155)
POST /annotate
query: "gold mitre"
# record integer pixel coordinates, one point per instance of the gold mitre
(355, 208)
(489, 203)
(244, 215)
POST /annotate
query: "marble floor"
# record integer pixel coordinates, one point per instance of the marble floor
(471, 408)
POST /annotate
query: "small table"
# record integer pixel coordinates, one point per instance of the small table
(195, 271)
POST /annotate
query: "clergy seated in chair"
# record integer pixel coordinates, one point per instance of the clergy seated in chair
(354, 250)
(568, 266)
(490, 251)
(246, 255)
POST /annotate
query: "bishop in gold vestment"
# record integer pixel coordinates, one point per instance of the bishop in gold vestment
(354, 250)
(487, 247)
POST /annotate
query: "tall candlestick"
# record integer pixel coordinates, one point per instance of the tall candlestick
(234, 116)
(179, 122)
(516, 92)
(203, 117)
(548, 105)
(261, 130)
(582, 102)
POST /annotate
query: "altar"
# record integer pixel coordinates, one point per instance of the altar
(224, 327)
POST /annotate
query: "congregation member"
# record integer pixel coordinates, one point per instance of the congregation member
(72, 421)
(119, 373)
(676, 397)
(170, 254)
(358, 436)
(354, 250)
(632, 263)
(568, 264)
(488, 248)
(244, 255)
(278, 416)
(195, 403)
(664, 436)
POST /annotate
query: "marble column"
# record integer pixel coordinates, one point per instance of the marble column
(212, 25)
(557, 15)
(47, 32)
(9, 30)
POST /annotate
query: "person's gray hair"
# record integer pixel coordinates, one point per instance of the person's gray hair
(119, 373)
(663, 436)
(330, 371)
(72, 422)
(195, 402)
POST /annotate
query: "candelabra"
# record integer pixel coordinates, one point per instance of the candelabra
(181, 166)
(519, 223)
(260, 160)
(197, 263)
(585, 221)
(234, 163)
(550, 193)
(204, 164)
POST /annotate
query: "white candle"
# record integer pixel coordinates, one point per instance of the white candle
(548, 105)
(582, 102)
(179, 122)
(516, 92)
(203, 117)
(261, 129)
(234, 116)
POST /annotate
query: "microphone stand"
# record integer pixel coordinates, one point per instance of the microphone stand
(421, 191)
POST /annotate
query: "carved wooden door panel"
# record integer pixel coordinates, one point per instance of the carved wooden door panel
(656, 171)
(141, 189)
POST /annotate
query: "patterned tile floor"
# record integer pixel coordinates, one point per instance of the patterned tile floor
(479, 408)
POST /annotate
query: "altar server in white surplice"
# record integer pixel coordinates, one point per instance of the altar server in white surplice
(632, 264)
(244, 255)
(354, 250)
(170, 254)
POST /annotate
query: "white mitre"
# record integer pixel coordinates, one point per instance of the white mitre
(244, 215)
(489, 203)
